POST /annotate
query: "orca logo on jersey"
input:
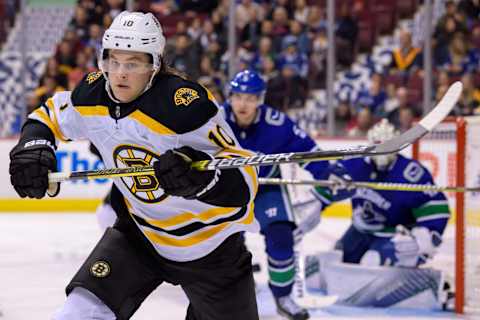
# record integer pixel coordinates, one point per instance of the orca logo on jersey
(100, 269)
(145, 187)
(185, 96)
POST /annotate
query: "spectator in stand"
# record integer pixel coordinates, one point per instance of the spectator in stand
(214, 52)
(163, 7)
(318, 61)
(458, 58)
(291, 55)
(80, 23)
(406, 59)
(316, 19)
(470, 98)
(81, 69)
(268, 69)
(53, 70)
(392, 102)
(197, 6)
(406, 119)
(403, 103)
(47, 89)
(72, 37)
(209, 74)
(443, 79)
(301, 11)
(115, 7)
(280, 22)
(195, 29)
(65, 57)
(94, 10)
(107, 21)
(374, 97)
(343, 118)
(264, 51)
(471, 8)
(95, 33)
(266, 30)
(184, 57)
(288, 90)
(364, 121)
(208, 34)
(346, 36)
(303, 41)
(245, 12)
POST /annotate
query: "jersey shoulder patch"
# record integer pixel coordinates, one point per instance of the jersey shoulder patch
(90, 91)
(93, 76)
(179, 104)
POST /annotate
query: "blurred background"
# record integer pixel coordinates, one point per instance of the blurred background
(334, 66)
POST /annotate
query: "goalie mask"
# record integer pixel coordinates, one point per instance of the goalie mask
(136, 32)
(379, 133)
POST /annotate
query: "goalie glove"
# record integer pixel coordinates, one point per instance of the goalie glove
(415, 247)
(342, 188)
(30, 162)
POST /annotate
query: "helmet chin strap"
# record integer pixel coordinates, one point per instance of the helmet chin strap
(109, 89)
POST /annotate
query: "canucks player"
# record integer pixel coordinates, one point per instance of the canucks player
(392, 227)
(263, 129)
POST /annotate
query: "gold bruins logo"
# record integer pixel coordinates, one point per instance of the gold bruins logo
(185, 96)
(100, 269)
(93, 76)
(146, 187)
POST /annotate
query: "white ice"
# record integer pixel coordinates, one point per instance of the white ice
(39, 253)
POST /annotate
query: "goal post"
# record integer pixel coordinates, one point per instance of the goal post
(452, 153)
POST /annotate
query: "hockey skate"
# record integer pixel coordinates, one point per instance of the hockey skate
(290, 309)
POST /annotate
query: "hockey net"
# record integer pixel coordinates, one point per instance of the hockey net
(452, 153)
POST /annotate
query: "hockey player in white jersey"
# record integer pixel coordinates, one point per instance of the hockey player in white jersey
(179, 225)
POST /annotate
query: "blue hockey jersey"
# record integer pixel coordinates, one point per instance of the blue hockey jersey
(380, 211)
(274, 132)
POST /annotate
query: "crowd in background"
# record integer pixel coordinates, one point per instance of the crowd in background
(286, 41)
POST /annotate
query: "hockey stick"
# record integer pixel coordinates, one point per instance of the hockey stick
(439, 112)
(371, 185)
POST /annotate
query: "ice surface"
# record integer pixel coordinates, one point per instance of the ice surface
(39, 253)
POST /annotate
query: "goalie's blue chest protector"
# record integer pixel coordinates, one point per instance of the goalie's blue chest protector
(379, 211)
(273, 132)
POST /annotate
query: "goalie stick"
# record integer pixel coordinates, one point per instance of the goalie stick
(435, 116)
(371, 185)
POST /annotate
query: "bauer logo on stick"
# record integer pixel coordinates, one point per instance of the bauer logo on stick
(100, 269)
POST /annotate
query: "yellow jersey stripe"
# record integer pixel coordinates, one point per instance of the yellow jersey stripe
(87, 111)
(150, 123)
(45, 119)
(197, 238)
(51, 106)
(189, 216)
(185, 242)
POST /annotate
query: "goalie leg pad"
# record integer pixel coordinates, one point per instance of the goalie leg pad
(115, 273)
(281, 263)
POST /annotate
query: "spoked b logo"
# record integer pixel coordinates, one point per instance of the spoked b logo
(145, 187)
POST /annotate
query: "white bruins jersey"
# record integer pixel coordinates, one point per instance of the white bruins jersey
(173, 113)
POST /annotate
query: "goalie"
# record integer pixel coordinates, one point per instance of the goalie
(389, 228)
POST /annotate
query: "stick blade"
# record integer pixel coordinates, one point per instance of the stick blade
(433, 118)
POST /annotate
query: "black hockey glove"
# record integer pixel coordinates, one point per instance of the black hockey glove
(177, 178)
(30, 162)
